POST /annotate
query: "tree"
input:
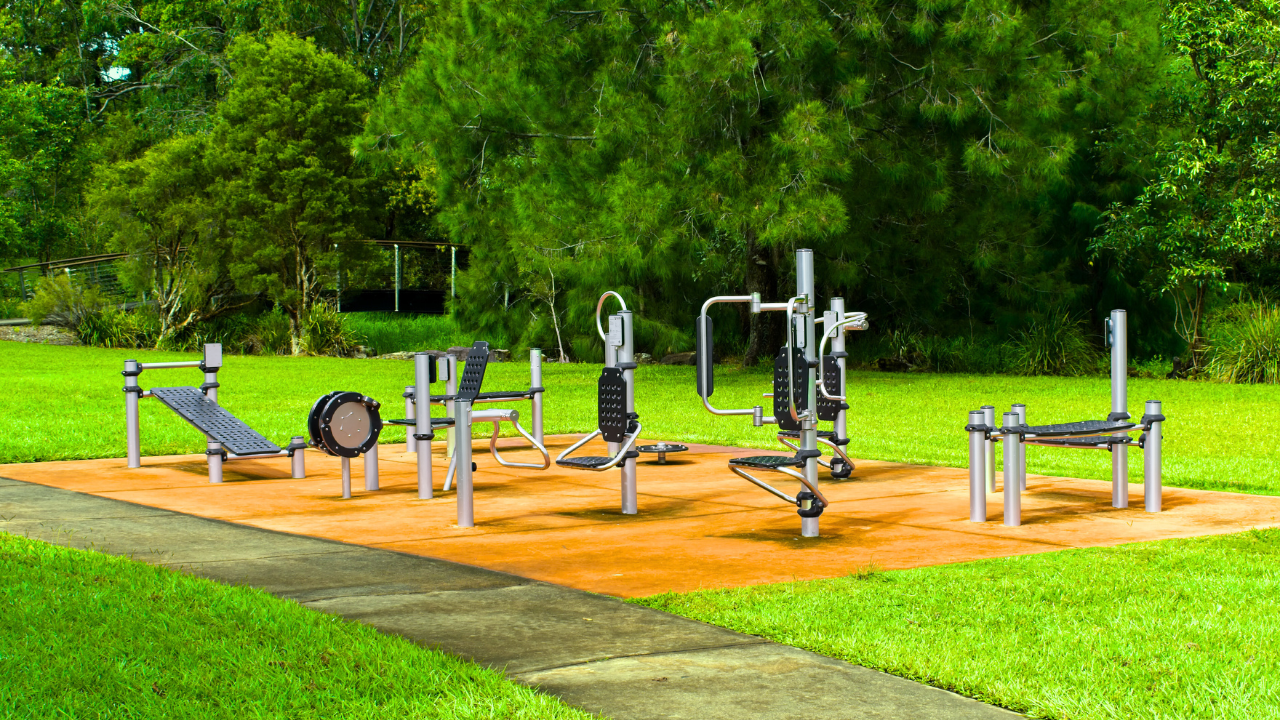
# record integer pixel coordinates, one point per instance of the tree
(160, 210)
(1209, 214)
(678, 150)
(287, 183)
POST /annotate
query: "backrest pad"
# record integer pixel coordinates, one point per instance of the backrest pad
(781, 410)
(611, 405)
(828, 409)
(473, 373)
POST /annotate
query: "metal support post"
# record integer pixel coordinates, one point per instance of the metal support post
(1021, 411)
(398, 278)
(535, 380)
(613, 341)
(466, 505)
(977, 466)
(214, 454)
(211, 364)
(626, 357)
(1152, 489)
(371, 469)
(838, 349)
(410, 444)
(1118, 335)
(298, 461)
(1012, 487)
(451, 389)
(989, 419)
(453, 275)
(346, 478)
(132, 429)
(805, 332)
(422, 417)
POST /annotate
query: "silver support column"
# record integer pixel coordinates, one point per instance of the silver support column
(613, 341)
(132, 430)
(626, 356)
(346, 478)
(1119, 329)
(1012, 486)
(422, 417)
(298, 463)
(989, 419)
(399, 276)
(214, 455)
(212, 362)
(1021, 410)
(1152, 489)
(535, 380)
(808, 428)
(410, 445)
(838, 349)
(451, 389)
(977, 467)
(462, 456)
(371, 469)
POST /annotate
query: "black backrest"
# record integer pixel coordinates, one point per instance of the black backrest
(704, 356)
(473, 373)
(828, 409)
(781, 409)
(611, 404)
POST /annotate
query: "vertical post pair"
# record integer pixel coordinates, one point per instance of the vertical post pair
(619, 352)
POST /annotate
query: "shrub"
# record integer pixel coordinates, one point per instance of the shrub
(115, 328)
(63, 303)
(1244, 345)
(1054, 345)
(324, 332)
(403, 332)
(270, 334)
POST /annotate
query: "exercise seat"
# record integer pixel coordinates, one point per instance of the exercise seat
(613, 423)
(584, 463)
(208, 417)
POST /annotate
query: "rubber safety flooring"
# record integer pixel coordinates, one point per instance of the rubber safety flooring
(699, 526)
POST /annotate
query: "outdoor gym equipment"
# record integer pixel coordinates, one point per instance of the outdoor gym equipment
(662, 448)
(227, 438)
(347, 424)
(796, 389)
(426, 370)
(1111, 434)
(616, 416)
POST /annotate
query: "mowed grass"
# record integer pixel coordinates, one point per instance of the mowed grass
(65, 402)
(88, 635)
(1169, 629)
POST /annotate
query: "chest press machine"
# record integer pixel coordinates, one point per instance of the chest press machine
(616, 418)
(796, 392)
(1111, 434)
(227, 437)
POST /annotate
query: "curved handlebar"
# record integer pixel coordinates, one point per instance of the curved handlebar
(791, 371)
(859, 322)
(600, 305)
(754, 300)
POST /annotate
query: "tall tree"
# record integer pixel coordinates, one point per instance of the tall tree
(286, 179)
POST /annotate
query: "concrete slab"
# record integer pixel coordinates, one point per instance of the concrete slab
(19, 501)
(531, 627)
(762, 682)
(350, 571)
(7, 482)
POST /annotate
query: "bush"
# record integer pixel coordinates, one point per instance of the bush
(324, 332)
(1054, 345)
(401, 332)
(1244, 344)
(115, 328)
(270, 334)
(63, 303)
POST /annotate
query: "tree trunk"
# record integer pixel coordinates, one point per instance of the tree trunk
(762, 277)
(295, 330)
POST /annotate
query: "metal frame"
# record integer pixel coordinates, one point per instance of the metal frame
(209, 363)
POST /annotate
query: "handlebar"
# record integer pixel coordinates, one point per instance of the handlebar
(599, 305)
(859, 322)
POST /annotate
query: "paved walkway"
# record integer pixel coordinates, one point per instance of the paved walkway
(593, 651)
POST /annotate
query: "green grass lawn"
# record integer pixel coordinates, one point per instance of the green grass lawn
(1170, 629)
(85, 635)
(66, 403)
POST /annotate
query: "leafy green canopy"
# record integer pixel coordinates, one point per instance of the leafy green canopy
(672, 151)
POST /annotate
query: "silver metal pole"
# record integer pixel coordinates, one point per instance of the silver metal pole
(346, 478)
(422, 417)
(989, 419)
(132, 429)
(808, 428)
(410, 444)
(611, 360)
(1012, 488)
(977, 467)
(212, 363)
(535, 380)
(1021, 410)
(299, 462)
(214, 455)
(1119, 406)
(371, 469)
(451, 388)
(453, 275)
(838, 349)
(626, 356)
(466, 501)
(1152, 488)
(398, 276)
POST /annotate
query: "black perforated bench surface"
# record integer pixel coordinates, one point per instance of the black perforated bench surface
(584, 462)
(765, 462)
(1076, 428)
(207, 417)
(435, 422)
(795, 434)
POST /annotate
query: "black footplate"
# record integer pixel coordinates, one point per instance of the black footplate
(764, 462)
(795, 434)
(1084, 442)
(207, 417)
(584, 462)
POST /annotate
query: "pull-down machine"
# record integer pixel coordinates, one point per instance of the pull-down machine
(796, 389)
(227, 438)
(617, 420)
(1111, 434)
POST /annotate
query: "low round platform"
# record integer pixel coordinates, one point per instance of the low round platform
(662, 449)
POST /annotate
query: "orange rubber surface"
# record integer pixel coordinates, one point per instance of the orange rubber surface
(699, 525)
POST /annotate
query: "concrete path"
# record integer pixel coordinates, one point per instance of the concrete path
(593, 651)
